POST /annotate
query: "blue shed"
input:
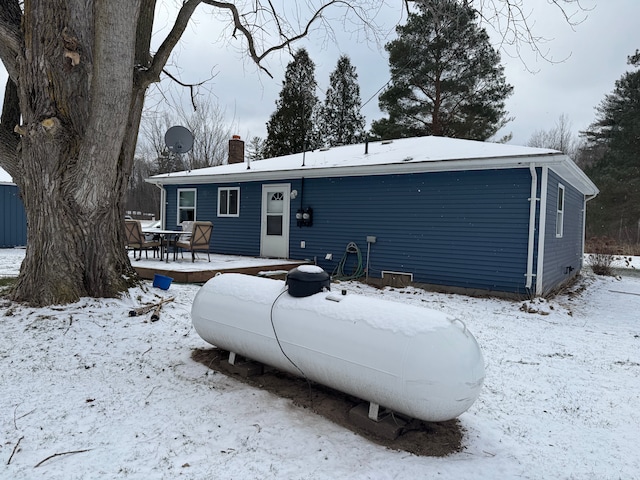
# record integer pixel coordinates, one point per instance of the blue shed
(466, 215)
(13, 219)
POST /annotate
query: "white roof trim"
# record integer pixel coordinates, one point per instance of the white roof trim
(404, 156)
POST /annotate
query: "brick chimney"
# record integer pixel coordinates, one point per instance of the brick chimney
(236, 150)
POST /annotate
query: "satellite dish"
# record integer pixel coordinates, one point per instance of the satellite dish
(178, 139)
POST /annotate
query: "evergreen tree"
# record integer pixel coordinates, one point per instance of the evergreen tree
(291, 128)
(614, 141)
(255, 149)
(617, 125)
(446, 78)
(341, 120)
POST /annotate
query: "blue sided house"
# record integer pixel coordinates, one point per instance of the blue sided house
(469, 216)
(13, 219)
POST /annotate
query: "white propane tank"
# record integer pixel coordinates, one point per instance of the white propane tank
(409, 359)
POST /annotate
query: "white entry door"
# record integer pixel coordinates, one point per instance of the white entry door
(274, 237)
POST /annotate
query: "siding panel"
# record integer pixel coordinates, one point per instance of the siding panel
(562, 256)
(466, 229)
(231, 235)
(13, 220)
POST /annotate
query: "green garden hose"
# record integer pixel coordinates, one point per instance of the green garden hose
(338, 272)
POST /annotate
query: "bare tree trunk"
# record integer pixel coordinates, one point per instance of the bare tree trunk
(75, 119)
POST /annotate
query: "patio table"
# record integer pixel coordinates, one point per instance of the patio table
(166, 236)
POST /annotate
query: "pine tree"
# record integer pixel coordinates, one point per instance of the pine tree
(614, 140)
(291, 128)
(446, 78)
(617, 125)
(341, 120)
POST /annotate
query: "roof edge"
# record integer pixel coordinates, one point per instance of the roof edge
(559, 162)
(478, 163)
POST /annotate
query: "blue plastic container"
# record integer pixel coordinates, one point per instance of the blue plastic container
(161, 281)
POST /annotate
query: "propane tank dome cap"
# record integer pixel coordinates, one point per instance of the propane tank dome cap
(310, 269)
(307, 280)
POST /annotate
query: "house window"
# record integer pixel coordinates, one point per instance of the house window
(560, 212)
(186, 205)
(229, 202)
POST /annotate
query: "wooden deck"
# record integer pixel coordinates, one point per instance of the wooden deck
(201, 271)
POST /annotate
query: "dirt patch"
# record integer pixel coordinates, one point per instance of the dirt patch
(434, 439)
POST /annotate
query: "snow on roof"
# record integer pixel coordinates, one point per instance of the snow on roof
(407, 155)
(5, 178)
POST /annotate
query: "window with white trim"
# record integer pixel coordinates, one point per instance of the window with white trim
(229, 201)
(560, 212)
(186, 205)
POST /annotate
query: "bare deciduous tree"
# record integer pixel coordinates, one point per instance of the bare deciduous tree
(142, 196)
(211, 133)
(511, 20)
(78, 74)
(255, 148)
(560, 137)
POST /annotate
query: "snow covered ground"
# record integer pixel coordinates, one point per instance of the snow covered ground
(560, 399)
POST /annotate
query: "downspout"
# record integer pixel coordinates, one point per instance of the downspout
(163, 205)
(532, 224)
(584, 226)
(542, 228)
(584, 229)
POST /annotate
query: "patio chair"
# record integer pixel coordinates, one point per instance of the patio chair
(187, 227)
(135, 240)
(199, 240)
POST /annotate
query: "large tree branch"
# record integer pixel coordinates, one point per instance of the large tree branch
(247, 27)
(10, 35)
(8, 153)
(512, 22)
(143, 33)
(286, 39)
(191, 86)
(9, 119)
(160, 59)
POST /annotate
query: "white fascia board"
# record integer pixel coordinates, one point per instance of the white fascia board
(573, 175)
(558, 162)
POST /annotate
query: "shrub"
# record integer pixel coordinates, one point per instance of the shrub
(601, 263)
(603, 254)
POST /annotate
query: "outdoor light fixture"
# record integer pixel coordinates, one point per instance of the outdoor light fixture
(304, 217)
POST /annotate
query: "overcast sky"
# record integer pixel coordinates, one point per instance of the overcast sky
(594, 53)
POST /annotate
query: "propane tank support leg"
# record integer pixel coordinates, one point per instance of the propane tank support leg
(374, 411)
(242, 366)
(386, 425)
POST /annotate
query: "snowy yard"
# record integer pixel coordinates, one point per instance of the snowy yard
(560, 399)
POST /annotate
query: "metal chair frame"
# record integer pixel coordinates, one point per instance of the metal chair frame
(199, 240)
(135, 240)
